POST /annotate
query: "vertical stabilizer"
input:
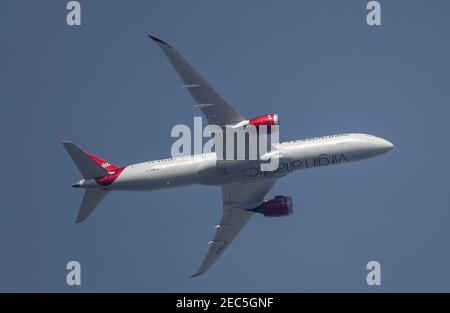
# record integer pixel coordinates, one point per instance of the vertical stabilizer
(86, 165)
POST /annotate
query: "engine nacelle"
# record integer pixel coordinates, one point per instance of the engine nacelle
(268, 119)
(278, 206)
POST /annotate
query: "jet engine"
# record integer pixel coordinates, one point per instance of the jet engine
(278, 206)
(268, 119)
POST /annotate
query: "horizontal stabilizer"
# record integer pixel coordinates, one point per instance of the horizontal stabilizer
(92, 197)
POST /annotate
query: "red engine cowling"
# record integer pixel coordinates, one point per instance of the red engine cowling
(268, 119)
(278, 206)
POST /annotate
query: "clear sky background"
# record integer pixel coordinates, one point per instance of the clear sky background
(108, 88)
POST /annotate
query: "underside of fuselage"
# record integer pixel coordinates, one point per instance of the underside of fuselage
(205, 169)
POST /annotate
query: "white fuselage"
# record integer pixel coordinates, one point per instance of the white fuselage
(206, 169)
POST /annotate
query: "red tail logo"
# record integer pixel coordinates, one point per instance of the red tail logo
(106, 165)
(110, 178)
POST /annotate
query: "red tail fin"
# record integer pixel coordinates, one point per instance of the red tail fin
(106, 165)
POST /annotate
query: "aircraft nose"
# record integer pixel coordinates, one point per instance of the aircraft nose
(381, 145)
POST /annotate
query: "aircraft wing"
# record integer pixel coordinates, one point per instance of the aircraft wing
(237, 198)
(215, 108)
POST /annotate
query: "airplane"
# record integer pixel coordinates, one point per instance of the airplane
(244, 185)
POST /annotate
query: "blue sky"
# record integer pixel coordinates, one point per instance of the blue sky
(108, 88)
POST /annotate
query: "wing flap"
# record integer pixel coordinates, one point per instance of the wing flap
(237, 198)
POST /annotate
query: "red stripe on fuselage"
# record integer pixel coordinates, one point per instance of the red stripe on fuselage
(110, 178)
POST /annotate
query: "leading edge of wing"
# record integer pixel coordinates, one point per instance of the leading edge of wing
(215, 108)
(233, 221)
(237, 198)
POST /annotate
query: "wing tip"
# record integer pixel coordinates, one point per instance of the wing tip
(66, 143)
(196, 274)
(154, 38)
